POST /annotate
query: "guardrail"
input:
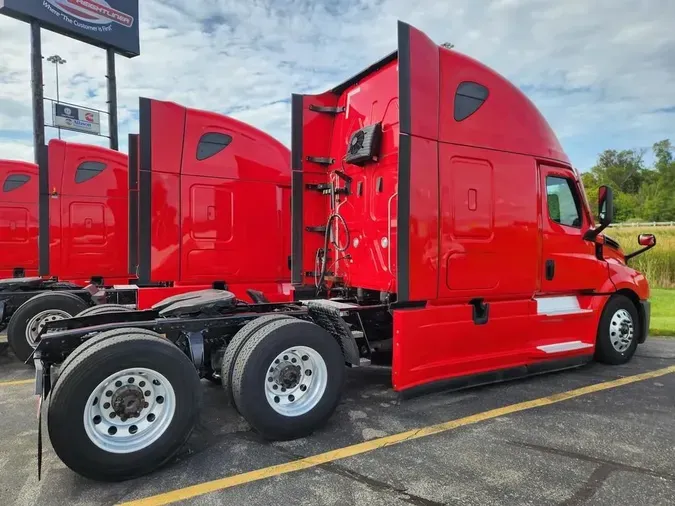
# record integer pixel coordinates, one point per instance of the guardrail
(631, 224)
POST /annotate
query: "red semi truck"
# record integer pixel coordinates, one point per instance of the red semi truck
(437, 226)
(182, 214)
(18, 219)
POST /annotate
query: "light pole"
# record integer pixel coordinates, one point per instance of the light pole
(57, 60)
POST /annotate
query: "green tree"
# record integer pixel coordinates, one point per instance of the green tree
(623, 170)
(640, 193)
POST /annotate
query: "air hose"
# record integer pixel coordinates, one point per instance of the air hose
(324, 263)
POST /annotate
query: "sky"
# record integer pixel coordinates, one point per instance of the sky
(601, 71)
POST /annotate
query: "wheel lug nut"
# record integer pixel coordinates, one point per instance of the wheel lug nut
(141, 384)
(277, 361)
(133, 429)
(294, 360)
(275, 387)
(160, 399)
(145, 404)
(270, 379)
(308, 372)
(108, 393)
(283, 389)
(130, 380)
(118, 384)
(285, 357)
(151, 417)
(147, 393)
(106, 405)
(113, 414)
(291, 398)
(303, 387)
(112, 430)
(97, 419)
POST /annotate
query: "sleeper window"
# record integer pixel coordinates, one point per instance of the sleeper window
(563, 201)
(211, 144)
(88, 170)
(469, 98)
(15, 181)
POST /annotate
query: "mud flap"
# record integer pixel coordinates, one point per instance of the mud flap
(41, 390)
(331, 320)
(39, 448)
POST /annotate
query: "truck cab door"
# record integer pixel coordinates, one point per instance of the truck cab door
(94, 215)
(568, 264)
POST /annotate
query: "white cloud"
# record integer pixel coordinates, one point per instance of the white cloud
(601, 71)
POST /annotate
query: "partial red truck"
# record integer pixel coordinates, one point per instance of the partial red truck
(18, 219)
(211, 208)
(437, 227)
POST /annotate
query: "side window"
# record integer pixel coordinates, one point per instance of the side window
(88, 170)
(15, 181)
(563, 201)
(469, 98)
(211, 144)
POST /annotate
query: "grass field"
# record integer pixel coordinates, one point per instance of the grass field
(663, 312)
(658, 264)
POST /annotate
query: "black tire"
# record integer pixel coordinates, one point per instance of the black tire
(16, 330)
(97, 339)
(86, 345)
(92, 366)
(235, 346)
(251, 371)
(605, 352)
(104, 309)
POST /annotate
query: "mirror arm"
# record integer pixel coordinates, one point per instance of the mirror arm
(640, 251)
(592, 233)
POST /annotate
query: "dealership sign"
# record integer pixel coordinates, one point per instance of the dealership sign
(76, 118)
(105, 23)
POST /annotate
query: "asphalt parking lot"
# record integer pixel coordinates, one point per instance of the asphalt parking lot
(596, 435)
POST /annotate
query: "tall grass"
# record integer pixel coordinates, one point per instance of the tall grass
(658, 264)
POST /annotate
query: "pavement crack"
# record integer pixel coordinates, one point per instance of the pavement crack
(615, 466)
(595, 480)
(372, 483)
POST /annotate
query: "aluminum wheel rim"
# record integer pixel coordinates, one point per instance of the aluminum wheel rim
(621, 331)
(37, 323)
(296, 381)
(115, 425)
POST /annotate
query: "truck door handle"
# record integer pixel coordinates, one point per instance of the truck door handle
(550, 269)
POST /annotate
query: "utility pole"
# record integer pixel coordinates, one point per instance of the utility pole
(57, 60)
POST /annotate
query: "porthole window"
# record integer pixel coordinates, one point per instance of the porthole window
(15, 181)
(469, 98)
(88, 170)
(211, 144)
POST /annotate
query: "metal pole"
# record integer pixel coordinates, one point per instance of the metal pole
(58, 98)
(112, 101)
(38, 92)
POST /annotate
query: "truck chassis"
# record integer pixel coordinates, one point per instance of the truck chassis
(304, 347)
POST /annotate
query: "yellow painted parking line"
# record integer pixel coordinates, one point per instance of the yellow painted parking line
(368, 446)
(16, 383)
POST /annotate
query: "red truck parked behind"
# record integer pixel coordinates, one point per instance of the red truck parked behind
(184, 214)
(18, 219)
(438, 226)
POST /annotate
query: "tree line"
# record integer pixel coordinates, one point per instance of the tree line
(641, 193)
